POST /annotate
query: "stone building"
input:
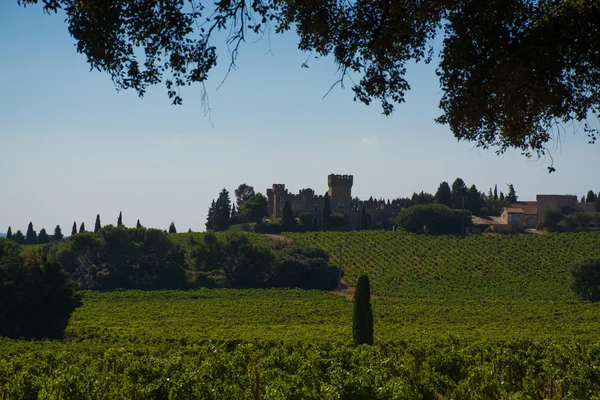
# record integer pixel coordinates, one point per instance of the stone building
(340, 196)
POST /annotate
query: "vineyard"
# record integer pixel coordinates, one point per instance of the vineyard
(526, 267)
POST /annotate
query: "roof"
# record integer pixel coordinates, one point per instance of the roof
(528, 207)
(587, 207)
(513, 210)
(487, 220)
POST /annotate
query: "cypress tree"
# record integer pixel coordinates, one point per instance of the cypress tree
(211, 215)
(591, 197)
(289, 222)
(138, 225)
(74, 228)
(19, 238)
(97, 225)
(31, 235)
(222, 213)
(58, 236)
(43, 237)
(362, 319)
(120, 219)
(364, 222)
(326, 218)
(172, 228)
(511, 196)
(82, 228)
(9, 233)
(496, 192)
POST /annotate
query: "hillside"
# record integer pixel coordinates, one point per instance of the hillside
(519, 267)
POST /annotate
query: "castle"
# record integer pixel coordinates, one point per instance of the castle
(340, 195)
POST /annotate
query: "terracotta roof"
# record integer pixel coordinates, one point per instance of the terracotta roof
(513, 210)
(487, 220)
(528, 207)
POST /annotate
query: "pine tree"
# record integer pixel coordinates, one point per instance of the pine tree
(43, 237)
(591, 197)
(326, 218)
(31, 235)
(289, 222)
(444, 195)
(364, 222)
(9, 233)
(501, 196)
(74, 228)
(138, 225)
(97, 225)
(172, 228)
(211, 216)
(58, 236)
(82, 227)
(362, 319)
(511, 196)
(459, 191)
(120, 219)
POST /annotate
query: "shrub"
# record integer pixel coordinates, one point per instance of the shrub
(586, 279)
(552, 218)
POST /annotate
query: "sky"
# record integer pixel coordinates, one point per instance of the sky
(72, 146)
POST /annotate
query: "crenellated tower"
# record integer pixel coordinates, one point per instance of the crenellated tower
(340, 193)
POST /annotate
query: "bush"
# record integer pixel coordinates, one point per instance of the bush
(304, 268)
(552, 218)
(432, 219)
(37, 297)
(586, 279)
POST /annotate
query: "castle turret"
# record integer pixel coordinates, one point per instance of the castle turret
(340, 193)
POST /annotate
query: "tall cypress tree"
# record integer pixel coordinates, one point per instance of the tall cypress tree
(289, 222)
(496, 192)
(211, 215)
(222, 211)
(362, 319)
(326, 218)
(511, 196)
(58, 235)
(82, 227)
(138, 225)
(43, 237)
(172, 228)
(31, 235)
(9, 233)
(120, 219)
(97, 225)
(444, 194)
(74, 228)
(364, 222)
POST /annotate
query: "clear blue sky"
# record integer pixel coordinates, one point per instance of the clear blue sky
(71, 146)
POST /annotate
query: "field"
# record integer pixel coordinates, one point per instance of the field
(520, 267)
(460, 325)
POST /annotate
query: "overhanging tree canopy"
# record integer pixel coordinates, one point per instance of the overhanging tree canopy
(513, 73)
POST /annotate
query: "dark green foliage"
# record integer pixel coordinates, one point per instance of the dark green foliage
(138, 224)
(82, 227)
(37, 297)
(496, 192)
(586, 279)
(58, 235)
(172, 228)
(289, 221)
(552, 218)
(9, 233)
(119, 257)
(511, 196)
(422, 198)
(243, 193)
(474, 201)
(598, 203)
(363, 218)
(43, 237)
(443, 195)
(591, 197)
(210, 216)
(120, 219)
(432, 219)
(326, 217)
(222, 212)
(235, 218)
(19, 238)
(74, 228)
(31, 235)
(459, 191)
(97, 225)
(362, 318)
(255, 209)
(338, 220)
(304, 268)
